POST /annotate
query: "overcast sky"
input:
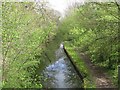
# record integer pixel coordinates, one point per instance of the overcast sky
(61, 5)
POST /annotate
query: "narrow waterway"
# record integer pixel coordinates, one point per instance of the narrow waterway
(61, 73)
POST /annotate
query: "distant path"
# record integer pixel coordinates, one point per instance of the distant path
(101, 79)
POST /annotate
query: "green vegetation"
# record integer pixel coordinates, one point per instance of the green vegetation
(81, 66)
(92, 28)
(31, 32)
(25, 35)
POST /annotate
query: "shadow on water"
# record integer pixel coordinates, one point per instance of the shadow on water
(61, 73)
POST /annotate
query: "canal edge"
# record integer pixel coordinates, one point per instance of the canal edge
(75, 67)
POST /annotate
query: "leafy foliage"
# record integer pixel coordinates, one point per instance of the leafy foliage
(92, 28)
(23, 36)
(29, 29)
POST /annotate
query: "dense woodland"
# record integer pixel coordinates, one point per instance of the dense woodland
(28, 28)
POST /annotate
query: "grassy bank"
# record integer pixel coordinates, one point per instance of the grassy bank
(88, 81)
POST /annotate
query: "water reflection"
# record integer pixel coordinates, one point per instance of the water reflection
(60, 74)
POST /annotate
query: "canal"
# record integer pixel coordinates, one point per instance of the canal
(61, 73)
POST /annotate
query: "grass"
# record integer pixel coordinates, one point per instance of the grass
(88, 82)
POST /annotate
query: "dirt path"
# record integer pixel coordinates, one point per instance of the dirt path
(99, 76)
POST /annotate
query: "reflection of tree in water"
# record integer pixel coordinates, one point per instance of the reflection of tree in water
(72, 79)
(59, 53)
(48, 78)
(60, 74)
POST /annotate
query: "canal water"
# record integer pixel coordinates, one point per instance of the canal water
(61, 73)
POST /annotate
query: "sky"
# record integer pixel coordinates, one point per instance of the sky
(61, 5)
